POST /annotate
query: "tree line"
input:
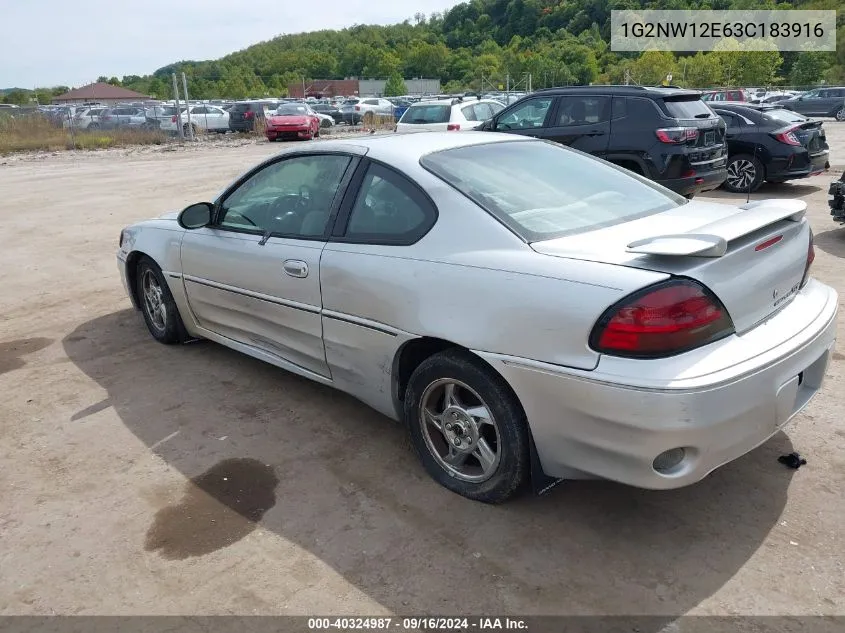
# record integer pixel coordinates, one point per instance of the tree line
(484, 44)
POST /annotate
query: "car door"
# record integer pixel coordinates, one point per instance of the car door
(221, 118)
(582, 122)
(733, 131)
(809, 103)
(832, 101)
(527, 117)
(382, 216)
(253, 275)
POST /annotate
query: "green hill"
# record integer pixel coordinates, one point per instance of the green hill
(478, 44)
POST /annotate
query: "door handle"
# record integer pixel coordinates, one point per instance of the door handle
(295, 268)
(595, 133)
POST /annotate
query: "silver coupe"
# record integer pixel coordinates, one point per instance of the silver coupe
(529, 312)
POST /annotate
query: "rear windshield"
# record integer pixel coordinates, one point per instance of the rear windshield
(419, 114)
(688, 108)
(542, 190)
(784, 115)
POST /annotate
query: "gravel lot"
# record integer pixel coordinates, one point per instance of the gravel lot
(114, 449)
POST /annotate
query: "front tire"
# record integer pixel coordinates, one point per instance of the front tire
(157, 304)
(745, 174)
(467, 427)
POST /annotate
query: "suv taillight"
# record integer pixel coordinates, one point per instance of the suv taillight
(811, 257)
(357, 108)
(668, 318)
(249, 114)
(677, 135)
(453, 127)
(787, 135)
(173, 119)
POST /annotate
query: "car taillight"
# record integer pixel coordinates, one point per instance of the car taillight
(357, 108)
(453, 127)
(787, 135)
(249, 114)
(811, 257)
(677, 135)
(662, 320)
(173, 119)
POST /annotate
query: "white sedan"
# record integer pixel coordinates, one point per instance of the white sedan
(204, 118)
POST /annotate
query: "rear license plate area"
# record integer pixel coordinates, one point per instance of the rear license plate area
(710, 138)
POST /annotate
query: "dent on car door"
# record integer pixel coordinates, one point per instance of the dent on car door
(253, 276)
(382, 216)
(582, 122)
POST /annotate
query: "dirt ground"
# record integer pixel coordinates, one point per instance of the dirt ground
(121, 457)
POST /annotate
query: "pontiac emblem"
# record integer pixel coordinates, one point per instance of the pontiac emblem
(775, 293)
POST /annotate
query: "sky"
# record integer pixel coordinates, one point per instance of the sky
(63, 42)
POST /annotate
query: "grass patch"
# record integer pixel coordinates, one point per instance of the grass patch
(36, 133)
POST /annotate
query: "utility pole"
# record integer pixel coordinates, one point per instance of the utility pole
(188, 106)
(178, 108)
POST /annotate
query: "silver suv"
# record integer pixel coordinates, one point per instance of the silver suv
(354, 109)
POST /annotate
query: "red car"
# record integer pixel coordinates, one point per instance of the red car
(292, 121)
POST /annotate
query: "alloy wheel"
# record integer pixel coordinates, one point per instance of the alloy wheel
(459, 430)
(154, 300)
(741, 174)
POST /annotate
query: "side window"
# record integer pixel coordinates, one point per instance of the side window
(290, 197)
(495, 108)
(813, 94)
(527, 115)
(389, 210)
(469, 113)
(483, 111)
(619, 108)
(199, 110)
(583, 110)
(729, 119)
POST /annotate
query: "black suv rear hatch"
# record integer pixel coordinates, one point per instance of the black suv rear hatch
(706, 148)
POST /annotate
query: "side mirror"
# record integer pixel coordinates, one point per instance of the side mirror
(196, 215)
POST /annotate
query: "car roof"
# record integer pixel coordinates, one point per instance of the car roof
(405, 150)
(632, 91)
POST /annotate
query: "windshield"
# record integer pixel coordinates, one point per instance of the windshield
(688, 108)
(291, 109)
(426, 113)
(542, 190)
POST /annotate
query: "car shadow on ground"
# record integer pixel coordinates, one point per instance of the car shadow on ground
(341, 482)
(831, 242)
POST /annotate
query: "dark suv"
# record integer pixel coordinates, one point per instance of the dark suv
(242, 116)
(666, 134)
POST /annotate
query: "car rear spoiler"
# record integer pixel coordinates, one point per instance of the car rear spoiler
(712, 239)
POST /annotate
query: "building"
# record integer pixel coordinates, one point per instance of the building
(101, 93)
(321, 88)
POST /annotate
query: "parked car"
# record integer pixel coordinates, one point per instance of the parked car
(592, 322)
(156, 115)
(770, 143)
(354, 110)
(329, 110)
(292, 121)
(243, 115)
(203, 118)
(727, 95)
(667, 135)
(836, 199)
(87, 118)
(819, 102)
(123, 117)
(448, 115)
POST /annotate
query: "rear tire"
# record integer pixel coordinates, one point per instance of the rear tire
(745, 174)
(467, 427)
(840, 114)
(157, 304)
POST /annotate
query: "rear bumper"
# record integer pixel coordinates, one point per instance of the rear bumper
(242, 126)
(704, 181)
(595, 423)
(801, 166)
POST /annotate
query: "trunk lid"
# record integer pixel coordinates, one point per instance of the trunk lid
(752, 257)
(284, 120)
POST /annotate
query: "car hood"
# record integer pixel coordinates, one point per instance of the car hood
(288, 119)
(170, 215)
